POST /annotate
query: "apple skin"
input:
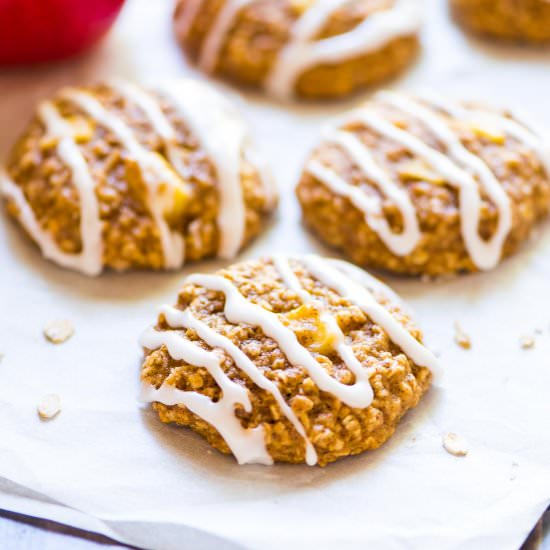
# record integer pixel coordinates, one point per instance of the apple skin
(37, 31)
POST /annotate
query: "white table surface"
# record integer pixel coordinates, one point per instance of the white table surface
(23, 533)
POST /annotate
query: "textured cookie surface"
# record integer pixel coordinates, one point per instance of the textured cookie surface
(121, 177)
(292, 360)
(426, 185)
(311, 48)
(522, 20)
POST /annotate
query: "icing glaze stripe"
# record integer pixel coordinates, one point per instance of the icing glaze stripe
(359, 295)
(346, 352)
(372, 284)
(156, 117)
(154, 169)
(485, 254)
(222, 134)
(214, 40)
(399, 243)
(238, 309)
(90, 222)
(89, 260)
(302, 50)
(248, 445)
(178, 318)
(518, 130)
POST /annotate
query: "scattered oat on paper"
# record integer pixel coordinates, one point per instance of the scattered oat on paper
(50, 406)
(461, 338)
(59, 331)
(527, 342)
(455, 445)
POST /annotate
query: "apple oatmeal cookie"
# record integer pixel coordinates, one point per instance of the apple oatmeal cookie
(287, 360)
(312, 49)
(425, 185)
(118, 176)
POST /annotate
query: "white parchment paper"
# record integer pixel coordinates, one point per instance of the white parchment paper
(107, 464)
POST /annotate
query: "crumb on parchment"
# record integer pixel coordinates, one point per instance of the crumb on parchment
(455, 445)
(527, 342)
(461, 338)
(58, 331)
(49, 406)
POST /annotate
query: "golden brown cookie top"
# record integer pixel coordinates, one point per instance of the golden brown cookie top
(296, 339)
(126, 177)
(406, 163)
(523, 21)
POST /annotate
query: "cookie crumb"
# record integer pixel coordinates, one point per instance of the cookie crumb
(455, 445)
(461, 338)
(49, 407)
(527, 342)
(59, 331)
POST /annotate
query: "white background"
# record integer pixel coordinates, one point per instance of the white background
(107, 464)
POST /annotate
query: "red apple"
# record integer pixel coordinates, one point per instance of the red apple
(34, 31)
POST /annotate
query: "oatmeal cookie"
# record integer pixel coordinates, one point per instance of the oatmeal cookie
(117, 176)
(519, 20)
(425, 185)
(309, 48)
(286, 360)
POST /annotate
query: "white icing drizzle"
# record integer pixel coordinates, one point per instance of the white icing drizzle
(520, 130)
(220, 130)
(238, 309)
(344, 350)
(248, 445)
(484, 253)
(464, 170)
(374, 285)
(178, 318)
(154, 168)
(302, 51)
(223, 135)
(156, 117)
(89, 260)
(213, 41)
(359, 295)
(399, 243)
